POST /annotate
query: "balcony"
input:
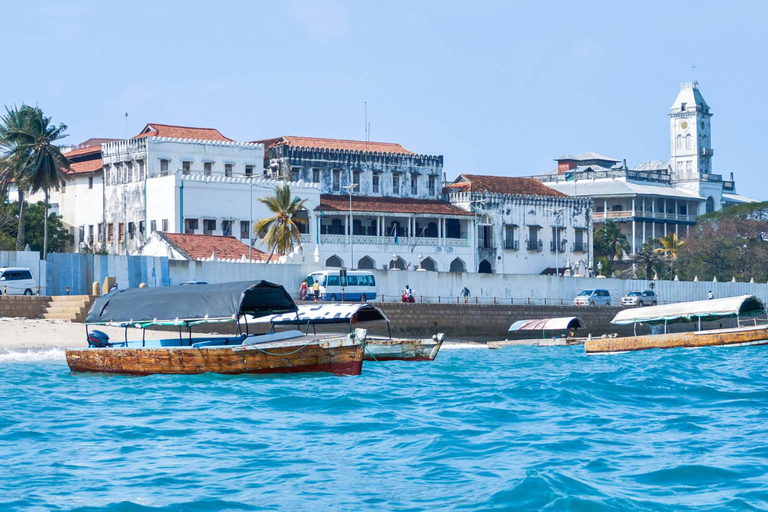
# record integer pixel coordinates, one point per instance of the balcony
(535, 245)
(422, 241)
(580, 247)
(558, 247)
(511, 245)
(629, 215)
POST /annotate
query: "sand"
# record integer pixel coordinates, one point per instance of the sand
(23, 334)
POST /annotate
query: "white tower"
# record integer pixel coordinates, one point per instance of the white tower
(689, 129)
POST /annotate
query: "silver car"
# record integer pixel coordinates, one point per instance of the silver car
(639, 298)
(596, 297)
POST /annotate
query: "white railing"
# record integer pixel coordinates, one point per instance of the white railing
(629, 215)
(422, 241)
(305, 238)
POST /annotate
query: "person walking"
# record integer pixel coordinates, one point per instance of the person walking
(465, 293)
(316, 291)
(303, 290)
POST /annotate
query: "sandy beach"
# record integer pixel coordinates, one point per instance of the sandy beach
(25, 334)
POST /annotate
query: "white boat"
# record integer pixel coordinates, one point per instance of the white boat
(376, 348)
(554, 332)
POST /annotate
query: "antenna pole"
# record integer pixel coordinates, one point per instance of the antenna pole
(126, 125)
(366, 121)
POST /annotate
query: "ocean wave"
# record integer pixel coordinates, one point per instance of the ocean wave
(31, 356)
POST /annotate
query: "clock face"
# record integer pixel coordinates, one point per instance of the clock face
(684, 125)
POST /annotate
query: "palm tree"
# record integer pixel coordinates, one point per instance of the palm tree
(647, 257)
(610, 241)
(29, 140)
(670, 246)
(280, 233)
(10, 163)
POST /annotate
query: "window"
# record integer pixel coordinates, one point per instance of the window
(110, 233)
(142, 175)
(90, 182)
(395, 184)
(336, 180)
(82, 234)
(315, 175)
(128, 172)
(101, 233)
(131, 230)
(295, 173)
(558, 243)
(534, 244)
(228, 170)
(90, 235)
(682, 107)
(153, 225)
(121, 232)
(249, 170)
(356, 180)
(190, 225)
(209, 226)
(333, 281)
(375, 182)
(142, 226)
(510, 237)
(580, 244)
(226, 227)
(688, 141)
(186, 167)
(207, 168)
(165, 224)
(245, 229)
(163, 167)
(432, 182)
(414, 184)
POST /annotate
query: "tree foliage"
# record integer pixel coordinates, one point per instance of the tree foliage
(58, 236)
(280, 233)
(610, 242)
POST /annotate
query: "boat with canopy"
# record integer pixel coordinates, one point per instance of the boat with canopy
(554, 331)
(745, 313)
(376, 348)
(184, 307)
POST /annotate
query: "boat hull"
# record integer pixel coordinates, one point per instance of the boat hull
(338, 358)
(401, 350)
(744, 336)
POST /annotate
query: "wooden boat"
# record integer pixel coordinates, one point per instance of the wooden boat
(376, 348)
(554, 332)
(742, 312)
(185, 307)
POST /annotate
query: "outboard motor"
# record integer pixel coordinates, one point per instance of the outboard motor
(98, 339)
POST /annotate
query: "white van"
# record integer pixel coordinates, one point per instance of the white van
(17, 281)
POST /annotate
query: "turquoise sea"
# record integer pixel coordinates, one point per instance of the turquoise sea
(520, 428)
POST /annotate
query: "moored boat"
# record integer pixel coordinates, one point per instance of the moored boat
(186, 307)
(554, 332)
(743, 312)
(376, 348)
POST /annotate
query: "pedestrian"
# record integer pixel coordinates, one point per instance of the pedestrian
(316, 291)
(710, 295)
(465, 294)
(303, 290)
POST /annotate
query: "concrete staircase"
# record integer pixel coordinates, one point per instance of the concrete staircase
(67, 307)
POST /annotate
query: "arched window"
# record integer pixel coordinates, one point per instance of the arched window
(484, 267)
(458, 265)
(336, 227)
(334, 261)
(366, 263)
(688, 141)
(429, 264)
(710, 204)
(679, 142)
(397, 263)
(301, 219)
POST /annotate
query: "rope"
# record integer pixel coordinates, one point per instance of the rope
(283, 354)
(365, 347)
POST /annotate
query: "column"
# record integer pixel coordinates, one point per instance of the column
(653, 216)
(665, 217)
(677, 231)
(644, 232)
(605, 208)
(634, 240)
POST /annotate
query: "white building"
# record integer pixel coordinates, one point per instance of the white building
(521, 226)
(657, 197)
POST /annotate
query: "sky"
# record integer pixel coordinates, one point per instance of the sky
(497, 88)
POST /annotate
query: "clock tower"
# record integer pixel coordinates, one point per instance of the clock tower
(689, 129)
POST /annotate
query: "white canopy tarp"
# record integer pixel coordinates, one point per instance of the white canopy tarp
(548, 324)
(327, 314)
(743, 305)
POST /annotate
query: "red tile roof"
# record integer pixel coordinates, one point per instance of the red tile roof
(196, 247)
(181, 132)
(334, 203)
(85, 167)
(89, 147)
(349, 145)
(502, 185)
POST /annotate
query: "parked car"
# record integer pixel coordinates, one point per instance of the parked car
(639, 298)
(593, 298)
(17, 281)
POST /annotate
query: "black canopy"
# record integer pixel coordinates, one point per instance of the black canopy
(191, 304)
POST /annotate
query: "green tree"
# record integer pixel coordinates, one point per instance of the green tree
(647, 257)
(33, 158)
(610, 242)
(280, 233)
(58, 235)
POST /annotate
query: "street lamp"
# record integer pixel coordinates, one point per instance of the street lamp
(394, 261)
(600, 268)
(250, 224)
(420, 265)
(350, 188)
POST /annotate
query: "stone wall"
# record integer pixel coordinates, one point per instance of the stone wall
(22, 306)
